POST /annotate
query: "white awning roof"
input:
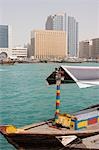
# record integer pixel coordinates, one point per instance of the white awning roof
(84, 76)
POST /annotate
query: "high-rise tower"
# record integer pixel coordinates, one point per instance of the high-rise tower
(69, 25)
(56, 22)
(4, 42)
(72, 36)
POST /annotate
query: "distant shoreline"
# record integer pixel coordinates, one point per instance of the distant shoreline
(45, 61)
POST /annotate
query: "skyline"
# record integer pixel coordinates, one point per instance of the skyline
(27, 15)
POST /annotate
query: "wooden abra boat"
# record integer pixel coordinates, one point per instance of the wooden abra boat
(65, 130)
(7, 62)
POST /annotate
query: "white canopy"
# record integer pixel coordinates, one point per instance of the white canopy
(84, 76)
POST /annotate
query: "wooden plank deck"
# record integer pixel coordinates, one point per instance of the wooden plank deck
(47, 128)
(92, 142)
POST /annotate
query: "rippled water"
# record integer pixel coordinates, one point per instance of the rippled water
(26, 98)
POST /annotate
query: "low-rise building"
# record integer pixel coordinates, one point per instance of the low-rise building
(19, 52)
(95, 48)
(89, 49)
(84, 49)
(5, 53)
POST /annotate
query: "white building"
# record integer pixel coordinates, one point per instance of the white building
(19, 52)
(5, 53)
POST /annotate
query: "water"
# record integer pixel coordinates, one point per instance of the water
(26, 98)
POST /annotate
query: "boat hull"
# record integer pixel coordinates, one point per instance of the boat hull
(37, 142)
(30, 141)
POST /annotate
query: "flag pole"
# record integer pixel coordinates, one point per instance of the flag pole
(58, 83)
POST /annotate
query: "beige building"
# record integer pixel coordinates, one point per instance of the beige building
(89, 49)
(48, 44)
(84, 49)
(95, 48)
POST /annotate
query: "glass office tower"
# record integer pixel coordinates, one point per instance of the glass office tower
(56, 22)
(68, 24)
(72, 36)
(4, 36)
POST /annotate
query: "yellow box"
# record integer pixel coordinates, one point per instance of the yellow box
(98, 119)
(61, 119)
(64, 120)
(82, 124)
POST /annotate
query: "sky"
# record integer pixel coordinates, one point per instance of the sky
(26, 15)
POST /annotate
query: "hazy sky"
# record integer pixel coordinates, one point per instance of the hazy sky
(27, 15)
